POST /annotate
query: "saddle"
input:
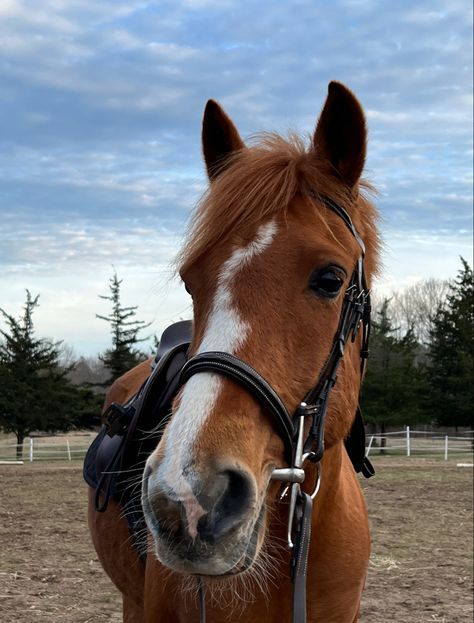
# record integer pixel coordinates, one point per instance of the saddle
(115, 461)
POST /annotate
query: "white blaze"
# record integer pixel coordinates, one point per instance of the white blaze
(225, 331)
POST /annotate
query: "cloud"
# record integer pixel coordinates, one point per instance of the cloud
(101, 159)
(407, 257)
(70, 267)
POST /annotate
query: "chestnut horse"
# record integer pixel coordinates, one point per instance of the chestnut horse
(268, 266)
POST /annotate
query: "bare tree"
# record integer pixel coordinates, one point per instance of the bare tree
(415, 306)
(67, 355)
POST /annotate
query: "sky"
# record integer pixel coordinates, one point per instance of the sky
(101, 106)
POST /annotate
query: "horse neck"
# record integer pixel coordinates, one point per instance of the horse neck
(340, 497)
(330, 474)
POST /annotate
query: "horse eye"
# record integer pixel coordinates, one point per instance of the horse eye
(327, 282)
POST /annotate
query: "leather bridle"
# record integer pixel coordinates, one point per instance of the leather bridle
(309, 415)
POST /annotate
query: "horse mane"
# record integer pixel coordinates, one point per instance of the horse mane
(259, 182)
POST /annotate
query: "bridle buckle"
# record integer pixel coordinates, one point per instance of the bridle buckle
(296, 474)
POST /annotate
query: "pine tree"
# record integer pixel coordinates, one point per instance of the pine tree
(450, 369)
(35, 393)
(393, 386)
(124, 328)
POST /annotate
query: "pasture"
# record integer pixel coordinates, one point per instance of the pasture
(420, 570)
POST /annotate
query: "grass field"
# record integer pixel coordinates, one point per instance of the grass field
(420, 570)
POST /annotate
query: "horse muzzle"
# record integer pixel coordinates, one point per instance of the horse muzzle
(204, 523)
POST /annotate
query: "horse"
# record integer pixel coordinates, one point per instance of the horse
(285, 235)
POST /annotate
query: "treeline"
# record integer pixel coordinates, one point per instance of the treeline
(420, 368)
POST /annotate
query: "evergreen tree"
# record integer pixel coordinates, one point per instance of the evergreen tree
(124, 328)
(87, 413)
(393, 386)
(35, 393)
(450, 369)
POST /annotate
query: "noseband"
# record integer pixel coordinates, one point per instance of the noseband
(308, 418)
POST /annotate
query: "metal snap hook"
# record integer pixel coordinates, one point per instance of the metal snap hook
(317, 484)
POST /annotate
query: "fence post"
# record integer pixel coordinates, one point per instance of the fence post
(68, 450)
(446, 438)
(369, 446)
(408, 442)
(31, 450)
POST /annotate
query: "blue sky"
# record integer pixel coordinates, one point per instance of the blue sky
(101, 106)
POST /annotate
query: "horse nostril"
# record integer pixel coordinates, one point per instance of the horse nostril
(230, 506)
(168, 515)
(236, 495)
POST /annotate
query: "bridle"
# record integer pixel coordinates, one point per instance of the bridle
(309, 416)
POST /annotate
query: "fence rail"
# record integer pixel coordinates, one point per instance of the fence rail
(415, 442)
(405, 442)
(35, 449)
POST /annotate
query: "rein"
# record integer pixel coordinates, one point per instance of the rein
(309, 416)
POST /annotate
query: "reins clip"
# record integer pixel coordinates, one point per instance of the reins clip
(296, 474)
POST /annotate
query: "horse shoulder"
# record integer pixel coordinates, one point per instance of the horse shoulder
(109, 530)
(123, 388)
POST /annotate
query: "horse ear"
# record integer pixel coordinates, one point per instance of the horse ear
(220, 138)
(341, 134)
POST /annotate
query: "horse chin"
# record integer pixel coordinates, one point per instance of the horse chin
(217, 565)
(248, 558)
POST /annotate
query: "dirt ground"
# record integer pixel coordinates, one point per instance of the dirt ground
(420, 570)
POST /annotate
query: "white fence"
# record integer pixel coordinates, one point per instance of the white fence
(38, 449)
(415, 442)
(406, 442)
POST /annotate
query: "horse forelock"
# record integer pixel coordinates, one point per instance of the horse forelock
(260, 183)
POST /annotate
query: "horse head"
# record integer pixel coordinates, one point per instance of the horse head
(268, 266)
